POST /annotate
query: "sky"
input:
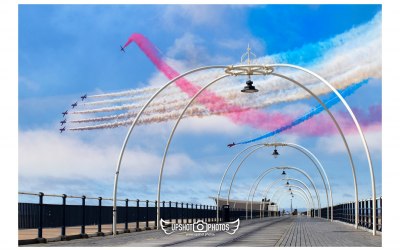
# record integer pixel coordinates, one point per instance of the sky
(66, 51)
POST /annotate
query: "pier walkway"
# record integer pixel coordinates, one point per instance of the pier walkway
(286, 231)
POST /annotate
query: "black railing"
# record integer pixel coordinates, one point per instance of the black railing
(345, 212)
(45, 214)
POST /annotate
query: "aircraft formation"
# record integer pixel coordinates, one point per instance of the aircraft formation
(73, 105)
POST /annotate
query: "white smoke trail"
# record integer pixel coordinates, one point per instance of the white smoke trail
(351, 57)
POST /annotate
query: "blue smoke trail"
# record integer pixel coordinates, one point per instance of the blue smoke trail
(330, 102)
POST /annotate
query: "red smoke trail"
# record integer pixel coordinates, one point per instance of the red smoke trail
(209, 99)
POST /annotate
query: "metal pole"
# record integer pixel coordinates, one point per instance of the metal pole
(137, 215)
(126, 230)
(99, 218)
(172, 135)
(83, 216)
(197, 213)
(182, 212)
(170, 209)
(156, 204)
(147, 215)
(40, 228)
(176, 212)
(64, 220)
(114, 227)
(187, 213)
(191, 213)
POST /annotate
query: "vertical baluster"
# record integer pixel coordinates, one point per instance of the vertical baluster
(126, 230)
(176, 212)
(155, 220)
(40, 228)
(147, 215)
(137, 215)
(99, 218)
(83, 226)
(64, 220)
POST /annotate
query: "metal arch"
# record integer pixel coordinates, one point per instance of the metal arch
(341, 134)
(371, 168)
(262, 175)
(306, 152)
(292, 168)
(300, 194)
(114, 226)
(291, 179)
(226, 171)
(300, 188)
(269, 71)
(237, 169)
(169, 142)
(284, 77)
(303, 196)
(317, 162)
(249, 66)
(340, 131)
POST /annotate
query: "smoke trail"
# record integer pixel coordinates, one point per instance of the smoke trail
(357, 43)
(198, 112)
(208, 99)
(126, 93)
(314, 111)
(338, 66)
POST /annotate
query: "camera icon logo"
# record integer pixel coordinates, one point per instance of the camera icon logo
(200, 227)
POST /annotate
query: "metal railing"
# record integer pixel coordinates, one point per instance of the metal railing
(345, 212)
(74, 211)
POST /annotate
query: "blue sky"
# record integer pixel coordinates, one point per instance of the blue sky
(68, 50)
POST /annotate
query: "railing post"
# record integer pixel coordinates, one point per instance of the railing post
(83, 233)
(380, 214)
(99, 218)
(64, 220)
(176, 212)
(40, 228)
(147, 215)
(155, 220)
(197, 214)
(212, 214)
(137, 215)
(207, 215)
(126, 230)
(163, 211)
(362, 213)
(187, 213)
(182, 212)
(191, 213)
(170, 211)
(371, 214)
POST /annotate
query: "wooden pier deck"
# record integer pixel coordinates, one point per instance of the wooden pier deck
(288, 231)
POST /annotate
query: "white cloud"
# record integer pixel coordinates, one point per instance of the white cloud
(334, 144)
(190, 48)
(49, 154)
(257, 45)
(210, 125)
(197, 15)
